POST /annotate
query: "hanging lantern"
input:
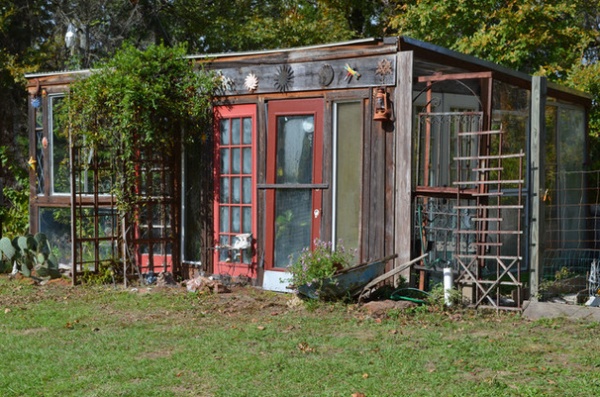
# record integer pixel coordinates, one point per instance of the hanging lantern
(382, 111)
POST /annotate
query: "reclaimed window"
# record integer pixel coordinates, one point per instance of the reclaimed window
(348, 137)
(234, 215)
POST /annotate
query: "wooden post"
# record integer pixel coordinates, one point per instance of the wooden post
(403, 121)
(537, 182)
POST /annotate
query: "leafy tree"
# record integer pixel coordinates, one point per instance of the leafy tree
(217, 26)
(546, 37)
(98, 27)
(558, 39)
(23, 46)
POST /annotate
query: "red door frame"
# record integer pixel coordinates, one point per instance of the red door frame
(292, 107)
(234, 268)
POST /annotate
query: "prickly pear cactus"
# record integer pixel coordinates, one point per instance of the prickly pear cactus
(26, 243)
(7, 254)
(32, 254)
(7, 248)
(42, 244)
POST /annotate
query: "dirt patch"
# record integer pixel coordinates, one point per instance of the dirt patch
(21, 292)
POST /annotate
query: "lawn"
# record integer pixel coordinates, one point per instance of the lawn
(58, 340)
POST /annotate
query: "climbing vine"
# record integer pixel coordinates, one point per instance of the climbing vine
(139, 99)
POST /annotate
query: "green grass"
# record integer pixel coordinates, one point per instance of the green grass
(57, 340)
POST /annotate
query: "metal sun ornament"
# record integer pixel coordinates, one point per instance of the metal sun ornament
(284, 78)
(251, 82)
(326, 75)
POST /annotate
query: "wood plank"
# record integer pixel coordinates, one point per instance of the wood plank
(390, 185)
(403, 117)
(455, 76)
(376, 192)
(305, 75)
(537, 153)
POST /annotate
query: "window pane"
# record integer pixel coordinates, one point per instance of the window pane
(39, 117)
(235, 131)
(224, 161)
(224, 219)
(348, 173)
(294, 149)
(235, 190)
(55, 223)
(225, 132)
(235, 219)
(247, 190)
(223, 253)
(39, 157)
(247, 131)
(60, 153)
(292, 223)
(224, 191)
(235, 161)
(247, 167)
(247, 228)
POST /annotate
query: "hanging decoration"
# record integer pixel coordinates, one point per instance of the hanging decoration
(36, 102)
(384, 68)
(326, 75)
(284, 78)
(350, 73)
(227, 83)
(382, 108)
(32, 163)
(251, 82)
(36, 98)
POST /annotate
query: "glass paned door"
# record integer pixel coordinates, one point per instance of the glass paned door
(294, 179)
(236, 191)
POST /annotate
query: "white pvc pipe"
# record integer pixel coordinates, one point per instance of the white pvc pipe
(448, 284)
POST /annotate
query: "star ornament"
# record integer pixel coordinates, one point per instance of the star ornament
(284, 78)
(251, 82)
(32, 163)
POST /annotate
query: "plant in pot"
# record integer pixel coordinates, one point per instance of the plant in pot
(313, 271)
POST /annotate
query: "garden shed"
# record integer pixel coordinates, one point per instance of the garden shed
(387, 146)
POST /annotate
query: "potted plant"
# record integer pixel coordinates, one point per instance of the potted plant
(313, 271)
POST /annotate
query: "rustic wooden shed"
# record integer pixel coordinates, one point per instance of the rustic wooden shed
(393, 146)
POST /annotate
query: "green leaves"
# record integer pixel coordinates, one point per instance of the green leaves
(522, 35)
(140, 100)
